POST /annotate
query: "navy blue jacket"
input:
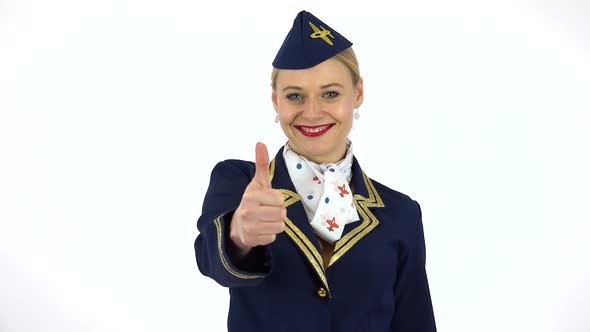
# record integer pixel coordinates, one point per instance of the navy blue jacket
(375, 281)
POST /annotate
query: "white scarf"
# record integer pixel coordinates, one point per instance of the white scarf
(324, 191)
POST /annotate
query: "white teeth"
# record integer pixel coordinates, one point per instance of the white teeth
(314, 130)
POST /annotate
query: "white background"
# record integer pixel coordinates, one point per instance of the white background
(113, 113)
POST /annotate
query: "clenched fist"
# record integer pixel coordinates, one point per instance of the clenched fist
(259, 218)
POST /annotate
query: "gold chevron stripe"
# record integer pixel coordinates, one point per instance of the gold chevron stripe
(217, 222)
(309, 252)
(362, 205)
(271, 171)
(369, 221)
(304, 244)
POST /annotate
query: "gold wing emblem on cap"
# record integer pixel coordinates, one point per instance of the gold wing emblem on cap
(323, 34)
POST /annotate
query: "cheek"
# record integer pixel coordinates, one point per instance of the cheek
(287, 112)
(349, 103)
(286, 117)
(344, 109)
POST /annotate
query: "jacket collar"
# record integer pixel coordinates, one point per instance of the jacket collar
(300, 231)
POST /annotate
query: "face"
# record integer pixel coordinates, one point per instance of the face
(315, 107)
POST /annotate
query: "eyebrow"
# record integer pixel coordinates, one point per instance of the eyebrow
(331, 85)
(292, 88)
(298, 88)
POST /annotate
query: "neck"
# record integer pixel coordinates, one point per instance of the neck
(329, 158)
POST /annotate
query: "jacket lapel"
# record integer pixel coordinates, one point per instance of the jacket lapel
(299, 229)
(365, 198)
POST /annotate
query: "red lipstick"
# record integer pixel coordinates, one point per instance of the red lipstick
(314, 131)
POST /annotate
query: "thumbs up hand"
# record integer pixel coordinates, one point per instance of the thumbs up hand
(259, 218)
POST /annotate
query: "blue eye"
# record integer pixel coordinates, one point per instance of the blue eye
(331, 94)
(294, 96)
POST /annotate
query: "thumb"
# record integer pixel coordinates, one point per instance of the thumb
(262, 163)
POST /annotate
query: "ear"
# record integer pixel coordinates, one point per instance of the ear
(274, 100)
(359, 93)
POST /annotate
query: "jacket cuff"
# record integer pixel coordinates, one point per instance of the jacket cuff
(257, 261)
(254, 266)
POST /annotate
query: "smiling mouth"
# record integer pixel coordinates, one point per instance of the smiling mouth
(314, 131)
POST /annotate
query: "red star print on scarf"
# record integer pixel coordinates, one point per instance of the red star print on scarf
(332, 224)
(343, 190)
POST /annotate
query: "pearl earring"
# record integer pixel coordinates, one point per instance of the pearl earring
(356, 114)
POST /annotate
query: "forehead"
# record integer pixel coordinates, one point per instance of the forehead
(327, 72)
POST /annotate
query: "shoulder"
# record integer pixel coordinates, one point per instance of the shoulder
(231, 174)
(233, 169)
(393, 197)
(404, 214)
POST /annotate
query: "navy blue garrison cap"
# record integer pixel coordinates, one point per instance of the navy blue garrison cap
(309, 43)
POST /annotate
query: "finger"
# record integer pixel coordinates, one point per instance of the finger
(270, 228)
(262, 175)
(266, 239)
(265, 197)
(271, 213)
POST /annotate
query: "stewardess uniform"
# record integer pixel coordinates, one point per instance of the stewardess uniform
(376, 278)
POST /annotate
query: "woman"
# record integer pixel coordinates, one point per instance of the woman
(307, 241)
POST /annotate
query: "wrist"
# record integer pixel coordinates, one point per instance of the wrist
(239, 249)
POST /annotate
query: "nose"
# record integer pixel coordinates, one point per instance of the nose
(312, 110)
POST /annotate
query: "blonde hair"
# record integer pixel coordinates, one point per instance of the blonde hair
(347, 57)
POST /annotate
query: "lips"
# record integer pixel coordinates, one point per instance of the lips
(314, 131)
